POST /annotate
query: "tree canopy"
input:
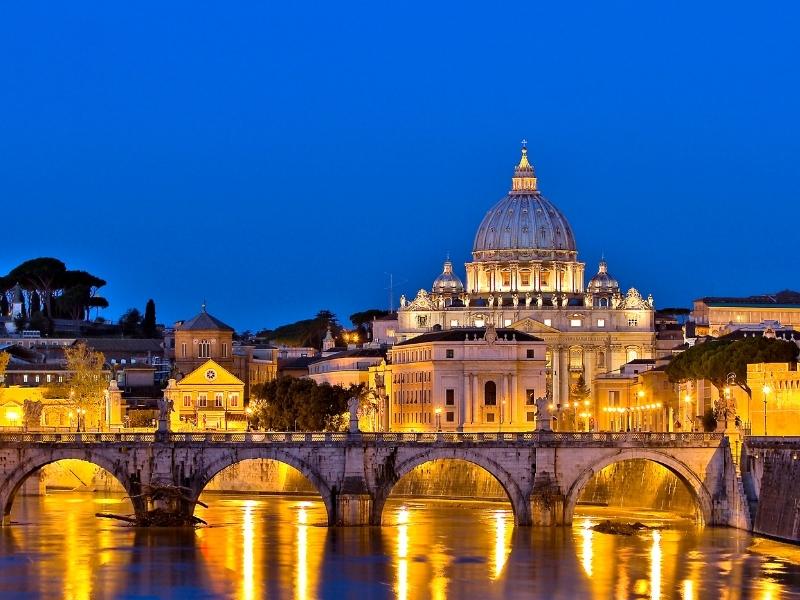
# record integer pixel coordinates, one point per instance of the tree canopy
(304, 333)
(362, 321)
(54, 290)
(288, 403)
(714, 360)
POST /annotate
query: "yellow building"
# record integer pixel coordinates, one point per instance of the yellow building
(714, 315)
(775, 389)
(210, 397)
(639, 397)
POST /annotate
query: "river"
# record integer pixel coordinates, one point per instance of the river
(279, 547)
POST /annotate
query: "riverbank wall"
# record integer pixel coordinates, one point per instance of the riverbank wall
(770, 469)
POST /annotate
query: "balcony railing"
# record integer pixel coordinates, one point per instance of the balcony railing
(535, 438)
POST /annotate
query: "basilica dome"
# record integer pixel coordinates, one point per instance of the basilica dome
(448, 282)
(524, 224)
(603, 281)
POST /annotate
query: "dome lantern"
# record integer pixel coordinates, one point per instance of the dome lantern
(524, 180)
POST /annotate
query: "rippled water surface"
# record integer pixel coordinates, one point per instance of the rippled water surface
(279, 547)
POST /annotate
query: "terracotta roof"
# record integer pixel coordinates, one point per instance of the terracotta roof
(204, 322)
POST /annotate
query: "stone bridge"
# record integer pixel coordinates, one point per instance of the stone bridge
(543, 472)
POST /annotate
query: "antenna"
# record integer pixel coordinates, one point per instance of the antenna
(391, 290)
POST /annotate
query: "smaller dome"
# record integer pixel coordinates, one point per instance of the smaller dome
(603, 281)
(448, 282)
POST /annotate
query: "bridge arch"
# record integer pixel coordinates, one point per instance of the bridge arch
(213, 468)
(384, 488)
(36, 460)
(683, 472)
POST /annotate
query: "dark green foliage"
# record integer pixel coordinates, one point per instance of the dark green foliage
(4, 307)
(305, 333)
(713, 360)
(36, 303)
(709, 420)
(288, 404)
(130, 322)
(362, 321)
(149, 320)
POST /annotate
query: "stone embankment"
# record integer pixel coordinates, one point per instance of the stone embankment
(771, 477)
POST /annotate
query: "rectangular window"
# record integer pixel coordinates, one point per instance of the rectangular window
(490, 417)
(202, 400)
(548, 322)
(25, 378)
(525, 278)
(183, 350)
(60, 379)
(451, 416)
(453, 322)
(449, 397)
(234, 399)
(633, 322)
(224, 350)
(575, 322)
(218, 400)
(543, 279)
(531, 416)
(49, 378)
(601, 322)
(530, 353)
(530, 397)
(187, 400)
(506, 277)
(479, 322)
(613, 398)
(450, 353)
(506, 322)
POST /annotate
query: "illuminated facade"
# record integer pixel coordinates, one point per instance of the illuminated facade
(775, 392)
(466, 379)
(525, 274)
(210, 397)
(717, 316)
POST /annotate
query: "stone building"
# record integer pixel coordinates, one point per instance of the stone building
(465, 379)
(717, 315)
(525, 274)
(210, 397)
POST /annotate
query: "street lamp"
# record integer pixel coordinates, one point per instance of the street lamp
(438, 412)
(766, 389)
(502, 413)
(248, 412)
(688, 401)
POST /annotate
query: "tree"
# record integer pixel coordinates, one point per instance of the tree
(32, 413)
(42, 274)
(363, 321)
(4, 306)
(308, 332)
(130, 321)
(714, 360)
(86, 386)
(149, 320)
(36, 303)
(5, 357)
(288, 403)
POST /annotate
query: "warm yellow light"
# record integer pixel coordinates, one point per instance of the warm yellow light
(566, 404)
(766, 389)
(248, 410)
(727, 391)
(586, 403)
(438, 411)
(688, 398)
(640, 393)
(12, 415)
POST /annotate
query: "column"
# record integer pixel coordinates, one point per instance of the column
(564, 375)
(474, 397)
(555, 368)
(512, 400)
(467, 412)
(504, 407)
(536, 286)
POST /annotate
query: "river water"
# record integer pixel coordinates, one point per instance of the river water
(279, 547)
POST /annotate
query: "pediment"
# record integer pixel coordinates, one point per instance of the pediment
(529, 325)
(221, 376)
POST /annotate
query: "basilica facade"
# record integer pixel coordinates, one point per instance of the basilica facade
(526, 275)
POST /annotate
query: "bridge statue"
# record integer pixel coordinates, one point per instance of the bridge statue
(352, 406)
(543, 419)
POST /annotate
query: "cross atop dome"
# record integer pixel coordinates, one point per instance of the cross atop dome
(524, 180)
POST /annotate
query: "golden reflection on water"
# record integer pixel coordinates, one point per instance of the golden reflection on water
(655, 566)
(586, 547)
(301, 579)
(501, 542)
(401, 585)
(247, 591)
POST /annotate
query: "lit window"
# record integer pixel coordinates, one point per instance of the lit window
(454, 323)
(25, 378)
(218, 400)
(479, 322)
(60, 379)
(575, 322)
(506, 277)
(390, 333)
(187, 400)
(183, 350)
(524, 278)
(506, 322)
(37, 379)
(601, 322)
(548, 322)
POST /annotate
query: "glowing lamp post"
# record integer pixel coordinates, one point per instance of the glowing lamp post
(766, 390)
(248, 413)
(438, 412)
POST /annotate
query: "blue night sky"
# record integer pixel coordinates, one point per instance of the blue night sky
(279, 158)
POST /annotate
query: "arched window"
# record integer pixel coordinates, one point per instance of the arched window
(204, 349)
(631, 353)
(601, 359)
(603, 302)
(490, 394)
